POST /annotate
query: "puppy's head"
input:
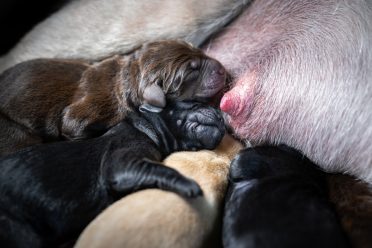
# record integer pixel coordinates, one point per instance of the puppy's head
(176, 70)
(272, 161)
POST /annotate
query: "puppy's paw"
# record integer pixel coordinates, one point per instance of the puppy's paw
(205, 127)
(145, 174)
(196, 126)
(271, 161)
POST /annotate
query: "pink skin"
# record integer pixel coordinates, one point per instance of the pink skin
(240, 97)
(301, 76)
(239, 104)
(243, 66)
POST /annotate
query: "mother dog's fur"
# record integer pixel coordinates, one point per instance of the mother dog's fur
(303, 78)
(155, 218)
(93, 29)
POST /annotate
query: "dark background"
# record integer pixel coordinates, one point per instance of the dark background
(19, 16)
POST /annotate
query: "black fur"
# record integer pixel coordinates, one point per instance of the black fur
(49, 193)
(278, 198)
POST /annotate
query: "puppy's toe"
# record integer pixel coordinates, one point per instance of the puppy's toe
(189, 188)
(209, 136)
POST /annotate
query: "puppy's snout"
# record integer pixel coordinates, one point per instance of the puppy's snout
(221, 71)
(217, 68)
(214, 79)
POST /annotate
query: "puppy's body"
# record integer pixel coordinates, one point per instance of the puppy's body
(42, 95)
(92, 29)
(55, 99)
(159, 219)
(50, 192)
(278, 198)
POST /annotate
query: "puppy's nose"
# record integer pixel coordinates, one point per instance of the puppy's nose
(221, 71)
(218, 68)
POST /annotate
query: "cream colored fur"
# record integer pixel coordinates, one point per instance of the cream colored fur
(92, 29)
(155, 218)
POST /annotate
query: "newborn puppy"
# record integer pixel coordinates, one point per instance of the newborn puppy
(45, 100)
(50, 192)
(155, 218)
(278, 198)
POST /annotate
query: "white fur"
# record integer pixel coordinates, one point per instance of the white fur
(304, 77)
(92, 29)
(155, 218)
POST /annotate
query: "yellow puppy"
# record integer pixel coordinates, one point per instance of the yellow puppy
(155, 218)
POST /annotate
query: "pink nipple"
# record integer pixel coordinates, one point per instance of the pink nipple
(228, 103)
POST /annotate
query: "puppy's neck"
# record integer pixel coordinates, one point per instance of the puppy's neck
(128, 81)
(112, 82)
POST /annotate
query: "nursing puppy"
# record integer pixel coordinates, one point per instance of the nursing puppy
(92, 29)
(278, 198)
(46, 100)
(50, 192)
(302, 77)
(161, 219)
(304, 87)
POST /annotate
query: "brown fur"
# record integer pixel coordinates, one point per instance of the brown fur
(353, 202)
(155, 218)
(49, 99)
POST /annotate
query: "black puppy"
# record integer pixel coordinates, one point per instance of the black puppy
(49, 193)
(278, 198)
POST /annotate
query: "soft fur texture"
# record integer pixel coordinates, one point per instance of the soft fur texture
(303, 77)
(50, 192)
(155, 218)
(353, 201)
(50, 99)
(302, 68)
(92, 29)
(278, 198)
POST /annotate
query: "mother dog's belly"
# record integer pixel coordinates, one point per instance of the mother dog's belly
(91, 29)
(301, 77)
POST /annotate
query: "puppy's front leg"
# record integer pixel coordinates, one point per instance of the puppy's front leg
(180, 126)
(82, 120)
(126, 171)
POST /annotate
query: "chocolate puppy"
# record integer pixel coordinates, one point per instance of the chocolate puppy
(45, 100)
(278, 198)
(50, 192)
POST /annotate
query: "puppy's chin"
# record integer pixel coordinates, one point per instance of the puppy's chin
(212, 96)
(215, 100)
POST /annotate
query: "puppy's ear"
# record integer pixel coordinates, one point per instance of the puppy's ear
(153, 99)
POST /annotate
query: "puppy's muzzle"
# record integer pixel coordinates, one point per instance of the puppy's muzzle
(215, 79)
